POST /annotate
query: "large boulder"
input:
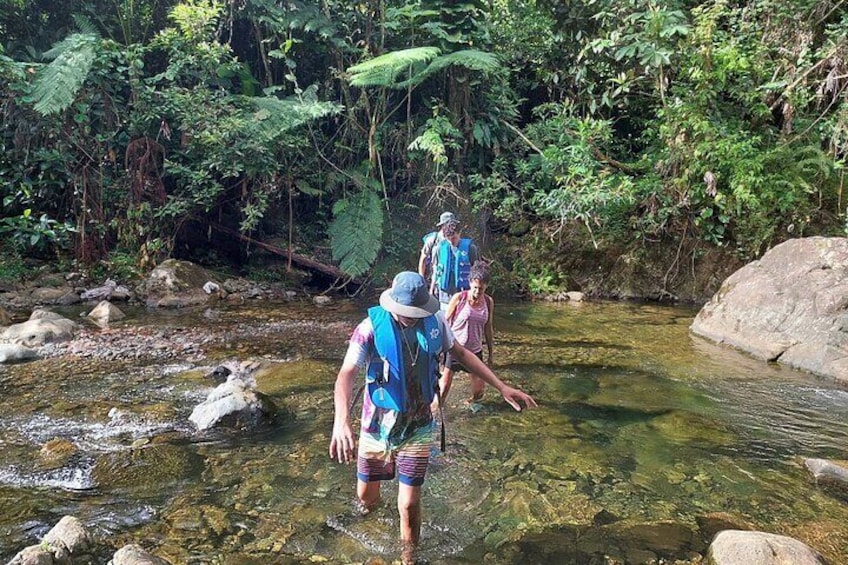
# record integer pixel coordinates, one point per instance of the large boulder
(735, 547)
(66, 543)
(233, 403)
(791, 306)
(42, 327)
(176, 284)
(15, 353)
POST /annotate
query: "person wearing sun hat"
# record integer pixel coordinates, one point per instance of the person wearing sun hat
(399, 344)
(430, 241)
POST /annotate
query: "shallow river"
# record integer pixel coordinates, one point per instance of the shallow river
(647, 441)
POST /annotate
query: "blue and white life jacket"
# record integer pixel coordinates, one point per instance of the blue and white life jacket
(454, 266)
(385, 378)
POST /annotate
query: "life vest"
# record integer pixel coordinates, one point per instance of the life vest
(385, 378)
(453, 267)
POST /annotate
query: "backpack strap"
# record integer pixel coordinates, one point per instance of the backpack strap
(463, 298)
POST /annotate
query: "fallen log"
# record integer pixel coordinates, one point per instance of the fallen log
(300, 260)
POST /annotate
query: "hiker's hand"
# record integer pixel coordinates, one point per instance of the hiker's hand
(513, 396)
(343, 443)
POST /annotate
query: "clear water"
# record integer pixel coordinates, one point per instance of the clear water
(647, 441)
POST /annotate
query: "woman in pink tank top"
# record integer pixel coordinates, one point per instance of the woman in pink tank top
(470, 315)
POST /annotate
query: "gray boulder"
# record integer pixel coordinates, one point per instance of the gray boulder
(15, 353)
(233, 403)
(176, 284)
(736, 547)
(791, 306)
(42, 327)
(133, 554)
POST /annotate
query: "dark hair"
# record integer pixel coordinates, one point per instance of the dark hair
(479, 272)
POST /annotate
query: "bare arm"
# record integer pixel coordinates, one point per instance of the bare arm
(343, 442)
(422, 262)
(479, 369)
(489, 330)
(452, 308)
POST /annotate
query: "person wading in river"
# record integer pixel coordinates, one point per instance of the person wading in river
(470, 315)
(398, 344)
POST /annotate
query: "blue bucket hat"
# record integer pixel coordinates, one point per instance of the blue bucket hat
(409, 297)
(445, 218)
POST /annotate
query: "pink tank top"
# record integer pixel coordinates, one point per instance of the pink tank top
(469, 324)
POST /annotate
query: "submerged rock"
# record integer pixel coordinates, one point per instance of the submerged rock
(830, 475)
(734, 547)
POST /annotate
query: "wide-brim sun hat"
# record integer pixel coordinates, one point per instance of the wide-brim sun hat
(409, 297)
(445, 218)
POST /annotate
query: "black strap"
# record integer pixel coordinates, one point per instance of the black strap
(442, 443)
(355, 400)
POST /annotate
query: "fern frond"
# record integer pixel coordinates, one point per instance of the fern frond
(290, 113)
(471, 59)
(56, 85)
(385, 69)
(356, 232)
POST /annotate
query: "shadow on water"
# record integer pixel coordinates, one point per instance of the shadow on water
(646, 442)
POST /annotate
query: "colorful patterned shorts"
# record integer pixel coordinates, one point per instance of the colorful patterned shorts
(378, 461)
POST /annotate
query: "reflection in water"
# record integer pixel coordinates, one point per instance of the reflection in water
(647, 441)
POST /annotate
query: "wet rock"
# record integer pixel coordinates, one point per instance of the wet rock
(786, 307)
(715, 522)
(68, 539)
(33, 555)
(106, 312)
(233, 403)
(734, 547)
(109, 291)
(145, 468)
(57, 452)
(14, 353)
(133, 554)
(830, 475)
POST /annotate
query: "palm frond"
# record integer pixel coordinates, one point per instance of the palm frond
(472, 59)
(385, 69)
(356, 232)
(56, 85)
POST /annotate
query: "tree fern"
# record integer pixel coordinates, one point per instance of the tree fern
(56, 85)
(288, 114)
(356, 232)
(385, 69)
(471, 59)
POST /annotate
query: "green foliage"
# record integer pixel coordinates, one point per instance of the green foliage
(13, 268)
(384, 71)
(57, 84)
(29, 234)
(356, 231)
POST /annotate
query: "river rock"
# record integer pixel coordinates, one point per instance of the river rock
(14, 353)
(68, 539)
(133, 554)
(232, 403)
(830, 475)
(106, 312)
(176, 284)
(42, 327)
(735, 547)
(789, 307)
(33, 555)
(63, 295)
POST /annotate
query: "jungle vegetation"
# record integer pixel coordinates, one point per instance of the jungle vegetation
(133, 130)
